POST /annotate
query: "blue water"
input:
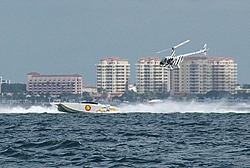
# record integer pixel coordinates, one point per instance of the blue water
(41, 137)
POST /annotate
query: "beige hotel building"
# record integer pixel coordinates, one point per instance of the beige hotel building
(53, 84)
(113, 74)
(151, 77)
(197, 75)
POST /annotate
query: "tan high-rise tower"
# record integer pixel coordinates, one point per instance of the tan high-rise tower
(113, 74)
(198, 75)
(151, 77)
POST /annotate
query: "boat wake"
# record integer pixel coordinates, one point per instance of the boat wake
(32, 109)
(161, 107)
(186, 107)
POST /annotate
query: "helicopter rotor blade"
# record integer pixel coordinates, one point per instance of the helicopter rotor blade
(181, 44)
(163, 50)
(178, 45)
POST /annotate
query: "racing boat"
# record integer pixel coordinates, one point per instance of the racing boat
(82, 107)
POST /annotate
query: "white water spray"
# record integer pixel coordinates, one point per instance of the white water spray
(32, 109)
(162, 107)
(184, 107)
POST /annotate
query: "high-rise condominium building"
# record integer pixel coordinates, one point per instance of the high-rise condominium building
(151, 77)
(53, 84)
(224, 74)
(198, 75)
(113, 74)
(194, 76)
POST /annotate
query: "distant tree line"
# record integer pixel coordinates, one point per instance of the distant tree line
(13, 88)
(19, 92)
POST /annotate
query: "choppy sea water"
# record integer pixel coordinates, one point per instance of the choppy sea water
(161, 135)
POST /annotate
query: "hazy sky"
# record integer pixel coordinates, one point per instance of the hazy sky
(70, 36)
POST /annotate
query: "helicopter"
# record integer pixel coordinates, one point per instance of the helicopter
(175, 60)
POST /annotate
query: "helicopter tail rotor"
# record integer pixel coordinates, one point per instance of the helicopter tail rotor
(205, 49)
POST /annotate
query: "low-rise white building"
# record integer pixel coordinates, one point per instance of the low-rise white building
(3, 81)
(89, 88)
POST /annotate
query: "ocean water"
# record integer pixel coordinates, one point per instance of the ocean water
(168, 134)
